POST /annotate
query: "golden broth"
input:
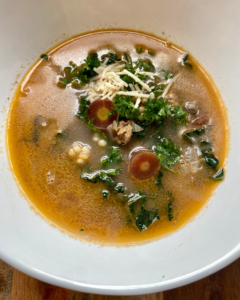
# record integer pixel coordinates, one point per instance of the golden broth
(51, 180)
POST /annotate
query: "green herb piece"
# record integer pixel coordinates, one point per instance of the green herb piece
(83, 108)
(94, 128)
(150, 52)
(185, 62)
(80, 75)
(179, 115)
(113, 58)
(81, 229)
(139, 50)
(139, 135)
(167, 75)
(168, 154)
(105, 194)
(119, 189)
(145, 65)
(158, 182)
(170, 216)
(114, 156)
(64, 81)
(125, 108)
(44, 56)
(219, 175)
(156, 110)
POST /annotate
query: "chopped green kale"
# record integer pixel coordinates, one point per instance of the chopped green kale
(158, 182)
(158, 109)
(168, 154)
(185, 62)
(170, 216)
(125, 108)
(94, 128)
(206, 149)
(105, 177)
(167, 75)
(219, 175)
(105, 194)
(79, 75)
(139, 50)
(81, 229)
(83, 108)
(112, 58)
(44, 56)
(150, 52)
(146, 65)
(146, 218)
(114, 156)
(64, 81)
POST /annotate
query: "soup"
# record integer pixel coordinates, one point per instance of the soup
(117, 137)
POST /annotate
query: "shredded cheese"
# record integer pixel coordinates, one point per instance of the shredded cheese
(169, 85)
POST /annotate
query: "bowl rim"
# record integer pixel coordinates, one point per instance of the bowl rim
(141, 289)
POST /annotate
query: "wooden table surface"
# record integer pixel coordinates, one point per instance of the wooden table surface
(223, 285)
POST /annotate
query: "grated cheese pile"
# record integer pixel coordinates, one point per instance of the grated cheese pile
(107, 84)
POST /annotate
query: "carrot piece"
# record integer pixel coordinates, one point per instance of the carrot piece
(143, 165)
(99, 111)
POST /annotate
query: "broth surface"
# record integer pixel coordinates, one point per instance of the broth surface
(51, 180)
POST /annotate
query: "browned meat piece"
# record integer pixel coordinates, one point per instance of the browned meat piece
(123, 133)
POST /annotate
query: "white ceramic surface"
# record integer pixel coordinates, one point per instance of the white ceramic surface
(210, 31)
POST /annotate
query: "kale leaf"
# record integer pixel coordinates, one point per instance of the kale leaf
(146, 217)
(105, 177)
(206, 149)
(80, 75)
(219, 175)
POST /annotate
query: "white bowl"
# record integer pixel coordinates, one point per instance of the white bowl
(207, 29)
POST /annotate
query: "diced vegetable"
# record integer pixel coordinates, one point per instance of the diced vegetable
(98, 111)
(143, 165)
